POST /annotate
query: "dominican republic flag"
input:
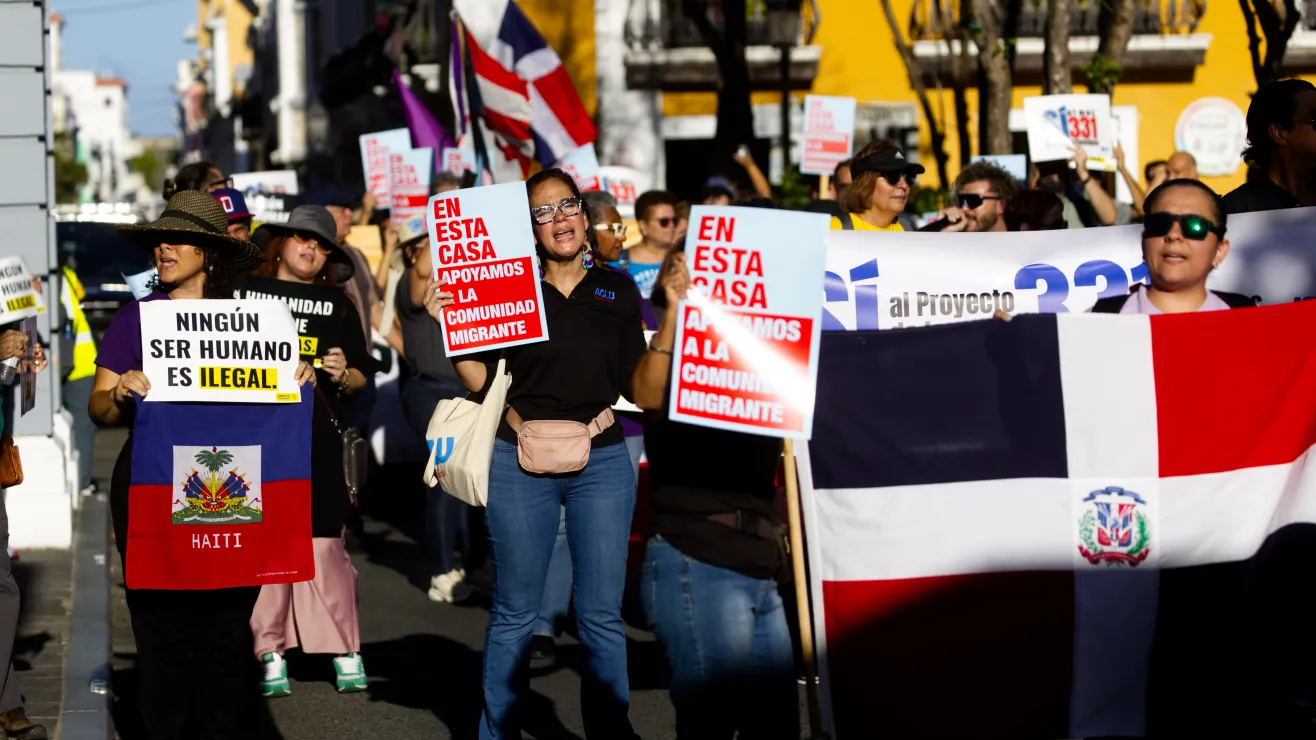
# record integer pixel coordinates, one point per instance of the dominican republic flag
(1065, 526)
(525, 94)
(220, 495)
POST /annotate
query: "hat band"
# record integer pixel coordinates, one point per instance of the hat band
(197, 220)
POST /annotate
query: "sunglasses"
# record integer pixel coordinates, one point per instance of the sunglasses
(225, 183)
(894, 178)
(664, 222)
(973, 200)
(617, 230)
(306, 236)
(1193, 227)
(548, 213)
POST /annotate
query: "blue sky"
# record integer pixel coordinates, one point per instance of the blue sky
(138, 40)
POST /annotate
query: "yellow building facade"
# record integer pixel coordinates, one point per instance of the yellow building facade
(1188, 52)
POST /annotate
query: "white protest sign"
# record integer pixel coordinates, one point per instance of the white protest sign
(458, 161)
(828, 133)
(889, 281)
(746, 353)
(269, 182)
(374, 160)
(625, 184)
(18, 296)
(222, 351)
(409, 176)
(583, 166)
(482, 245)
(140, 284)
(1055, 122)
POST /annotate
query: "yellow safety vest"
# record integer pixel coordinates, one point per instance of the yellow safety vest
(84, 347)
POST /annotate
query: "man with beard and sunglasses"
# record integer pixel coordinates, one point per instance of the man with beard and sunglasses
(979, 198)
(877, 195)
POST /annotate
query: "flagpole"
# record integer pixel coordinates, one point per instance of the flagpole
(802, 590)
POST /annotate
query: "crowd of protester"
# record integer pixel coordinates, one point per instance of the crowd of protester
(547, 548)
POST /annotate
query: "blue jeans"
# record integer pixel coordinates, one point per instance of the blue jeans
(728, 645)
(557, 590)
(447, 519)
(522, 515)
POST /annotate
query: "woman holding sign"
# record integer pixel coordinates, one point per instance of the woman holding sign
(191, 645)
(596, 341)
(321, 614)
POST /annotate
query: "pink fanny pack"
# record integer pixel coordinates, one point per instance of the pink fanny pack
(552, 447)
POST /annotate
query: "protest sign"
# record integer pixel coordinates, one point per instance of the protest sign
(140, 283)
(828, 133)
(458, 161)
(316, 310)
(375, 149)
(625, 184)
(747, 339)
(29, 377)
(18, 295)
(409, 176)
(268, 182)
(1056, 122)
(223, 351)
(482, 245)
(583, 166)
(891, 281)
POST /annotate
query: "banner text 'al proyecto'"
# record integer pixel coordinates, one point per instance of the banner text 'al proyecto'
(747, 338)
(222, 351)
(482, 246)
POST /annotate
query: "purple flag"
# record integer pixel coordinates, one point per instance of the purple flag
(425, 130)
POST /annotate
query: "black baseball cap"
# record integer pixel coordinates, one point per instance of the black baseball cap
(890, 159)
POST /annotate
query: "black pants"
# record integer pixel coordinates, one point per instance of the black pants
(193, 648)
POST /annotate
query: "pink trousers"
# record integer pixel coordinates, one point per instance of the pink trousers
(319, 615)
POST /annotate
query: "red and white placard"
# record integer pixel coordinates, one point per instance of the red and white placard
(583, 165)
(458, 161)
(409, 177)
(828, 133)
(747, 342)
(374, 159)
(482, 245)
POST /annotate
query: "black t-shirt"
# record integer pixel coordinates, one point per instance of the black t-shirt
(1259, 193)
(596, 340)
(329, 500)
(695, 471)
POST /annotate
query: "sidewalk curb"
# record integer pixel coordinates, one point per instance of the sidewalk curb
(85, 714)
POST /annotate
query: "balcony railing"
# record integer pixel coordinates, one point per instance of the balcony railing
(934, 20)
(664, 23)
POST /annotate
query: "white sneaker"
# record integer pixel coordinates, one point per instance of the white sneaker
(441, 586)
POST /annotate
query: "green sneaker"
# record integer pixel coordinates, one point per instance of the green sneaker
(351, 673)
(275, 682)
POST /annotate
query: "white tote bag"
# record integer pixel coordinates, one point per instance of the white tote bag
(460, 436)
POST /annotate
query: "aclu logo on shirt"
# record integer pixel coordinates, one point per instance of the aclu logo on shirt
(605, 295)
(217, 485)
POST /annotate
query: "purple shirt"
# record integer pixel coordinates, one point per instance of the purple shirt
(121, 348)
(1138, 303)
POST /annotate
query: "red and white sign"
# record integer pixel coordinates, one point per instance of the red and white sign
(409, 176)
(458, 161)
(482, 245)
(747, 342)
(583, 166)
(374, 159)
(828, 133)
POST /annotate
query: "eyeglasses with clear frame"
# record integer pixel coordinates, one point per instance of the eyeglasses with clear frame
(618, 230)
(547, 213)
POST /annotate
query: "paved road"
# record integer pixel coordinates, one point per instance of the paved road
(423, 658)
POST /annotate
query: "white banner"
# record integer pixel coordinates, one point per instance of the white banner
(222, 351)
(894, 280)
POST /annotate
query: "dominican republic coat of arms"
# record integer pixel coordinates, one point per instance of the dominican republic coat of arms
(1114, 528)
(218, 493)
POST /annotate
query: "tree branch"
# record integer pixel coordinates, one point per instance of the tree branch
(1253, 40)
(920, 90)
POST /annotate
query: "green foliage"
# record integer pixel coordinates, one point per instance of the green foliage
(70, 174)
(1086, 526)
(1102, 74)
(926, 200)
(794, 190)
(150, 165)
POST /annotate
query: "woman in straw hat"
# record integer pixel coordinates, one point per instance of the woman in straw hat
(192, 646)
(320, 615)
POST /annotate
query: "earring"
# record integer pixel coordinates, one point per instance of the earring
(588, 261)
(539, 265)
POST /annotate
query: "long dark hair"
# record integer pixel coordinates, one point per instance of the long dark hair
(191, 177)
(1274, 104)
(221, 278)
(274, 255)
(544, 176)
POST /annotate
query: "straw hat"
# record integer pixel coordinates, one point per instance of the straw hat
(195, 218)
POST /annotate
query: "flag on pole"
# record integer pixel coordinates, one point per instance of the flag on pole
(528, 97)
(220, 495)
(1011, 526)
(426, 132)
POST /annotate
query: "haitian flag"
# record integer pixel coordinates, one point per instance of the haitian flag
(1065, 525)
(220, 495)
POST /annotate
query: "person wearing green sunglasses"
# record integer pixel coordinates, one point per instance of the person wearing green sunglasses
(1183, 240)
